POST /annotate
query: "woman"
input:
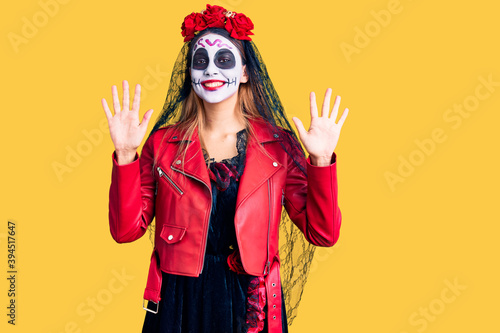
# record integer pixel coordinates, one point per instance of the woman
(215, 172)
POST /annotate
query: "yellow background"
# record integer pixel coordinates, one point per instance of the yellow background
(401, 245)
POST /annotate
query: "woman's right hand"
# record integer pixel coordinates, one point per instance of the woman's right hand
(124, 127)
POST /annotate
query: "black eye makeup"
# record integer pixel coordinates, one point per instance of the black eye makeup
(224, 59)
(200, 59)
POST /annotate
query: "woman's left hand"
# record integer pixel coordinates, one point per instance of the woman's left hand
(323, 134)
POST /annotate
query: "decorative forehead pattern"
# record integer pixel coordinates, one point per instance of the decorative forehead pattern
(211, 41)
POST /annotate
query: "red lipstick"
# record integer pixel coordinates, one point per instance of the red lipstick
(212, 84)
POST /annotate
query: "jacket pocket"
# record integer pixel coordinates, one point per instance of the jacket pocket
(172, 233)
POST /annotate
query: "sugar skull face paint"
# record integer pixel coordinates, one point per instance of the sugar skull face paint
(216, 68)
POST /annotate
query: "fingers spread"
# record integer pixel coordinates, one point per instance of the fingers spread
(137, 97)
(116, 102)
(300, 127)
(326, 103)
(342, 118)
(146, 118)
(335, 110)
(126, 97)
(107, 111)
(314, 106)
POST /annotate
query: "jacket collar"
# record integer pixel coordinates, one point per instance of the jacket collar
(258, 166)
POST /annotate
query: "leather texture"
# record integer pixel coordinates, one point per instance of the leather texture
(177, 193)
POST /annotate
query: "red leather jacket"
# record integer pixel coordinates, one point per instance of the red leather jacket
(179, 196)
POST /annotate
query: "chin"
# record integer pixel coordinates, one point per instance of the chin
(213, 98)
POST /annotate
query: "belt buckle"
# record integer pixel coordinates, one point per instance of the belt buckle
(145, 308)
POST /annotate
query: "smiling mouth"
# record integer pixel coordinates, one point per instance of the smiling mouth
(212, 84)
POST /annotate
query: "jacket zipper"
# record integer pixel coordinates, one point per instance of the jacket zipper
(209, 212)
(266, 268)
(282, 196)
(162, 173)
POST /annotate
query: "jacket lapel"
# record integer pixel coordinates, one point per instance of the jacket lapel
(258, 166)
(194, 164)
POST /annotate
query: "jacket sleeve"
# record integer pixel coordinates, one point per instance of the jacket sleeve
(311, 201)
(132, 196)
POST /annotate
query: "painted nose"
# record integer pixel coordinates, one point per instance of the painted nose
(211, 69)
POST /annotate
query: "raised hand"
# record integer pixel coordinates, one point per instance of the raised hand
(323, 134)
(124, 127)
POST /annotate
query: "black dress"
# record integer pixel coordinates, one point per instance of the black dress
(218, 300)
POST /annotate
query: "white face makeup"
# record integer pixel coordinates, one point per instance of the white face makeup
(216, 68)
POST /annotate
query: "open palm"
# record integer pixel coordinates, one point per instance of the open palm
(124, 127)
(323, 134)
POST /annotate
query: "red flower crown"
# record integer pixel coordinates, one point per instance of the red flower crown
(237, 24)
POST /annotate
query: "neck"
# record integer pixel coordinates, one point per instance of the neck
(223, 117)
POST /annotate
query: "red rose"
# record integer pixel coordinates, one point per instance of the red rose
(192, 23)
(244, 22)
(188, 26)
(214, 16)
(239, 26)
(212, 10)
(200, 22)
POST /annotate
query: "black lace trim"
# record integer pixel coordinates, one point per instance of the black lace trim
(241, 141)
(222, 172)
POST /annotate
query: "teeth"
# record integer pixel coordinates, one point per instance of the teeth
(213, 84)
